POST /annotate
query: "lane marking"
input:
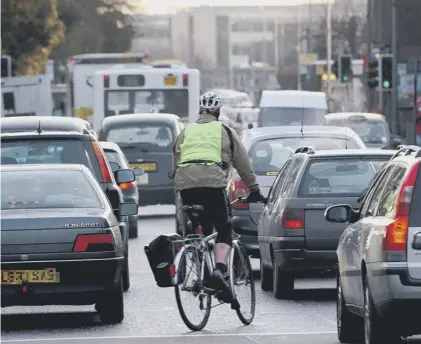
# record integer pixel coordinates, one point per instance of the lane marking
(200, 335)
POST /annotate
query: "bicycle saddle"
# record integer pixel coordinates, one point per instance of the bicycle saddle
(192, 208)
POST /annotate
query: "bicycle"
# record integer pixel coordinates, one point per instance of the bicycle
(199, 251)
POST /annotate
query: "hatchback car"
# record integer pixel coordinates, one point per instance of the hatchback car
(269, 148)
(60, 240)
(118, 161)
(379, 256)
(293, 235)
(147, 141)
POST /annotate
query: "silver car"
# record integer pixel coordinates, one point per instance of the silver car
(379, 256)
(269, 148)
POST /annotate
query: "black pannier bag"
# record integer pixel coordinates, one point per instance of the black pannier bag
(161, 253)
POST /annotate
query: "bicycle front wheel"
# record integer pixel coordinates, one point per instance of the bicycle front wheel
(193, 304)
(242, 284)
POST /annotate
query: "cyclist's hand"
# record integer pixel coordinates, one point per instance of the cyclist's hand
(255, 196)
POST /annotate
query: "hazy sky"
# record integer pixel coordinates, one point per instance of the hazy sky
(164, 6)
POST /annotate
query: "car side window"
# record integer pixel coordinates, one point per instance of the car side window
(387, 204)
(292, 177)
(377, 192)
(279, 181)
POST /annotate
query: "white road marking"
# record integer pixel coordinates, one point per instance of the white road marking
(265, 334)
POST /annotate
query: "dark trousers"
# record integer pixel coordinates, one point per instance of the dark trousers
(216, 211)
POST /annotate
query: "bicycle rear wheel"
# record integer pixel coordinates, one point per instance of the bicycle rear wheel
(188, 292)
(242, 282)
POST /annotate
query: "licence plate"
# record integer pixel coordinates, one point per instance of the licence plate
(14, 277)
(170, 80)
(147, 166)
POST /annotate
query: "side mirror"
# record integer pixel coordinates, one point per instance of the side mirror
(115, 166)
(127, 209)
(396, 140)
(125, 176)
(338, 213)
(138, 171)
(250, 126)
(171, 174)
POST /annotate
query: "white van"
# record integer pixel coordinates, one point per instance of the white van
(292, 107)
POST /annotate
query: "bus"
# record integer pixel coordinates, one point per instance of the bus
(80, 70)
(164, 90)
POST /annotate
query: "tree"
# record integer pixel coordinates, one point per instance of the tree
(30, 31)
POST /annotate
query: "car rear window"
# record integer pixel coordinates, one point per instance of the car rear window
(50, 152)
(47, 189)
(150, 136)
(345, 177)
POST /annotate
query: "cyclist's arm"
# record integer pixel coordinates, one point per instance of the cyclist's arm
(241, 163)
(176, 150)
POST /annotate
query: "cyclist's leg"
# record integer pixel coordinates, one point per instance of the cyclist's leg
(191, 197)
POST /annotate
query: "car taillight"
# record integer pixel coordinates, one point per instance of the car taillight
(395, 237)
(239, 189)
(127, 186)
(185, 80)
(106, 81)
(292, 218)
(103, 166)
(94, 243)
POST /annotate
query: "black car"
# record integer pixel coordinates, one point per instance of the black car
(117, 161)
(147, 141)
(41, 140)
(60, 240)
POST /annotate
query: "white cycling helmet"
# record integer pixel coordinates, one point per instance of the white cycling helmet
(209, 102)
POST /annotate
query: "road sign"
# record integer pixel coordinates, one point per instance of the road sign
(307, 59)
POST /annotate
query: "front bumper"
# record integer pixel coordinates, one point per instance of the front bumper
(80, 282)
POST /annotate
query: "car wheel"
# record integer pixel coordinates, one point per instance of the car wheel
(111, 308)
(375, 330)
(266, 277)
(283, 283)
(133, 229)
(126, 271)
(350, 326)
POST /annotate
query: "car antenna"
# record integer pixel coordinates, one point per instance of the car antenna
(302, 122)
(39, 130)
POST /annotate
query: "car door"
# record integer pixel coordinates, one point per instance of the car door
(264, 224)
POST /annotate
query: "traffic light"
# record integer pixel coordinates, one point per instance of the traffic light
(335, 68)
(386, 71)
(345, 69)
(373, 72)
(6, 66)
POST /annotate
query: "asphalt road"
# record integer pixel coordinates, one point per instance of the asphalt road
(151, 314)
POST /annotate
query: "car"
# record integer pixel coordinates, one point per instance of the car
(282, 141)
(294, 237)
(147, 141)
(60, 240)
(379, 255)
(117, 161)
(42, 139)
(371, 127)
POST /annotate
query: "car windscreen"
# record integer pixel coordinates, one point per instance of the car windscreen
(277, 116)
(344, 177)
(47, 189)
(370, 131)
(145, 101)
(49, 151)
(151, 136)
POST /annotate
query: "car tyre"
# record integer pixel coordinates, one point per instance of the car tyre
(283, 283)
(349, 325)
(266, 277)
(133, 229)
(375, 330)
(126, 271)
(111, 308)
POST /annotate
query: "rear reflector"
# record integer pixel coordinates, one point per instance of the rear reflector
(102, 162)
(94, 243)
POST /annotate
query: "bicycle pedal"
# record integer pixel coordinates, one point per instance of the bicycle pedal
(235, 304)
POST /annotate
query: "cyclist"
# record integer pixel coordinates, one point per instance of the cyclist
(203, 153)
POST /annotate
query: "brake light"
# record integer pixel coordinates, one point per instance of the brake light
(292, 218)
(70, 60)
(103, 166)
(185, 80)
(94, 243)
(146, 58)
(106, 81)
(239, 189)
(127, 186)
(396, 235)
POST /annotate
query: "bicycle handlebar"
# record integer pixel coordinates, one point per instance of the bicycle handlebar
(240, 200)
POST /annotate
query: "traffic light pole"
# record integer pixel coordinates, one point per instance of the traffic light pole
(394, 98)
(380, 88)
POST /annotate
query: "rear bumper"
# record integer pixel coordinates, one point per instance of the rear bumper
(81, 282)
(397, 297)
(151, 195)
(291, 255)
(242, 225)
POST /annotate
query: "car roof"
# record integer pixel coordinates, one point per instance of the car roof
(350, 152)
(140, 117)
(43, 167)
(344, 115)
(46, 123)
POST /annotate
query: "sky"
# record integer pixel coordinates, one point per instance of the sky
(165, 6)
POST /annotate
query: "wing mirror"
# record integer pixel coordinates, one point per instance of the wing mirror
(338, 213)
(138, 171)
(125, 176)
(127, 209)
